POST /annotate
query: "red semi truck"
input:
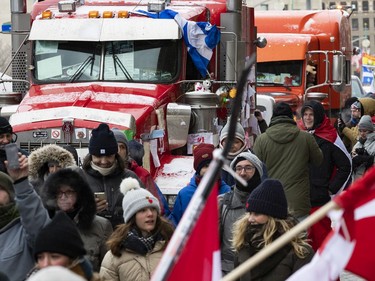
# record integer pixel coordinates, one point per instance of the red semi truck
(105, 61)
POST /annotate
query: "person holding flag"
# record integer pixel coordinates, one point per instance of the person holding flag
(333, 174)
(265, 220)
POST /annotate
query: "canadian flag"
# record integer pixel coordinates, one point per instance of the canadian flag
(351, 245)
(199, 259)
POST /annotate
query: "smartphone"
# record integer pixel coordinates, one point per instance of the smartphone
(100, 195)
(11, 151)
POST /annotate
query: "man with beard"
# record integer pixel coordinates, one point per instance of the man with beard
(232, 205)
(238, 146)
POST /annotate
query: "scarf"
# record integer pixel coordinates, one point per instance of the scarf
(254, 235)
(104, 171)
(7, 214)
(139, 244)
(251, 183)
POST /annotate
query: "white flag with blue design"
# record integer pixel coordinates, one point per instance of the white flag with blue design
(367, 75)
(200, 37)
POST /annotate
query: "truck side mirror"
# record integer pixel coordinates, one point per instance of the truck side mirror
(338, 64)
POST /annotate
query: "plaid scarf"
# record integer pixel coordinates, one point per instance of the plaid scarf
(139, 244)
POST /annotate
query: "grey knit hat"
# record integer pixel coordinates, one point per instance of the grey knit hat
(240, 132)
(120, 136)
(268, 199)
(250, 157)
(136, 198)
(366, 123)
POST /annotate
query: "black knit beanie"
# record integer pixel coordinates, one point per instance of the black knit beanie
(268, 199)
(5, 127)
(60, 236)
(283, 109)
(102, 141)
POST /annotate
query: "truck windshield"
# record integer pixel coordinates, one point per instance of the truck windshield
(279, 73)
(125, 61)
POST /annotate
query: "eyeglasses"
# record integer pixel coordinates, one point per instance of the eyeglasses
(68, 193)
(363, 131)
(247, 168)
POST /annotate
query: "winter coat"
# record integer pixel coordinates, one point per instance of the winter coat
(184, 196)
(334, 173)
(95, 239)
(352, 133)
(94, 230)
(38, 163)
(287, 152)
(18, 237)
(110, 184)
(369, 147)
(232, 207)
(131, 266)
(277, 267)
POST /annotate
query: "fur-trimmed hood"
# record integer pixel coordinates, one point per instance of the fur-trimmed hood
(74, 178)
(39, 158)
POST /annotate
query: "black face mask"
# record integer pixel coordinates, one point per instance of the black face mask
(251, 183)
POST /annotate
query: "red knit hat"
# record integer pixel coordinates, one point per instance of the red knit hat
(202, 155)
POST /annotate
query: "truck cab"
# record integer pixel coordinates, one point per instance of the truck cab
(127, 64)
(308, 56)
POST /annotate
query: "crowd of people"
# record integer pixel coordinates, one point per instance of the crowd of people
(108, 220)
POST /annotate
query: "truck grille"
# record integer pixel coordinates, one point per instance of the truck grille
(30, 146)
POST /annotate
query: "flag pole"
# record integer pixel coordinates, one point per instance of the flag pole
(181, 235)
(280, 242)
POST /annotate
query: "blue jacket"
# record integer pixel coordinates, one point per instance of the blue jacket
(17, 237)
(184, 197)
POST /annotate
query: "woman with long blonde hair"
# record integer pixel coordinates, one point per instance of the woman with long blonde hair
(266, 220)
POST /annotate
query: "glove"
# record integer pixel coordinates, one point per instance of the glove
(361, 151)
(358, 160)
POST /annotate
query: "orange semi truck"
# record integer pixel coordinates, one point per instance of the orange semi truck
(308, 56)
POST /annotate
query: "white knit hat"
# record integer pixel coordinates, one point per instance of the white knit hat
(136, 198)
(56, 273)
